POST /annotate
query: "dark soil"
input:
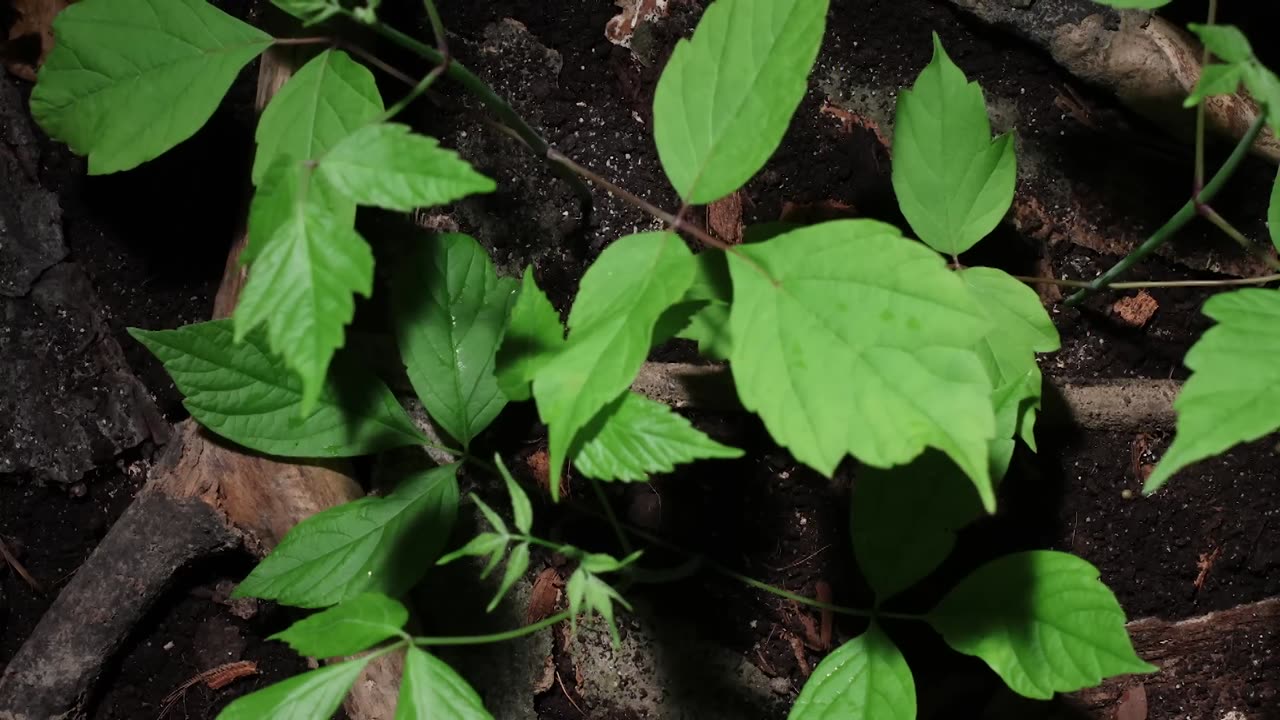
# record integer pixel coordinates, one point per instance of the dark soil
(154, 240)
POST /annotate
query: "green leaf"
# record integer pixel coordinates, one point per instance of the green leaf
(521, 509)
(1020, 328)
(354, 626)
(954, 184)
(300, 285)
(1216, 79)
(852, 339)
(866, 677)
(904, 520)
(494, 519)
(709, 326)
(534, 335)
(431, 690)
(129, 79)
(727, 95)
(1273, 213)
(448, 308)
(587, 593)
(1264, 86)
(375, 544)
(309, 11)
(329, 98)
(1134, 4)
(1233, 394)
(388, 166)
(1042, 620)
(611, 326)
(634, 436)
(308, 696)
(243, 393)
(517, 564)
(487, 543)
(1225, 41)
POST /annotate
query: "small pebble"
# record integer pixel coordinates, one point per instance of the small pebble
(1127, 494)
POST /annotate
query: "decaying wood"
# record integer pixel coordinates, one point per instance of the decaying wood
(204, 496)
(1226, 657)
(1112, 405)
(1146, 61)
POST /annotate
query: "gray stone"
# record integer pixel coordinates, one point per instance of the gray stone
(30, 217)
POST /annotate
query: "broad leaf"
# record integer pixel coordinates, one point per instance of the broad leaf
(242, 392)
(300, 285)
(308, 696)
(611, 327)
(1273, 213)
(431, 690)
(129, 79)
(1020, 328)
(309, 11)
(851, 339)
(904, 520)
(489, 544)
(954, 184)
(727, 95)
(326, 100)
(634, 437)
(449, 308)
(1233, 394)
(1216, 79)
(709, 326)
(354, 626)
(866, 677)
(388, 166)
(586, 593)
(533, 336)
(517, 564)
(375, 544)
(1042, 620)
(1224, 41)
(521, 508)
(329, 98)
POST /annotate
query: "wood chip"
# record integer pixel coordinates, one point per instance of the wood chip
(1135, 311)
(544, 598)
(31, 37)
(622, 26)
(724, 218)
(1133, 704)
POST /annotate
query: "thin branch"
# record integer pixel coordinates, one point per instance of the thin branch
(493, 637)
(17, 566)
(316, 40)
(1229, 230)
(623, 540)
(1200, 109)
(379, 63)
(1179, 219)
(1090, 285)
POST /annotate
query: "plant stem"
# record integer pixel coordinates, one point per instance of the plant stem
(623, 540)
(1200, 109)
(1179, 219)
(379, 63)
(317, 40)
(493, 637)
(460, 74)
(1229, 230)
(674, 221)
(1260, 280)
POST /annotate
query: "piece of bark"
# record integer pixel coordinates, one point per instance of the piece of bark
(1150, 64)
(1215, 664)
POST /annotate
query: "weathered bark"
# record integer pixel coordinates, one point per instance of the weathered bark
(1226, 659)
(1147, 62)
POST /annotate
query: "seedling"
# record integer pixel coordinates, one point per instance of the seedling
(847, 338)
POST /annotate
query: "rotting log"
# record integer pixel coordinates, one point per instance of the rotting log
(1147, 62)
(202, 497)
(1226, 659)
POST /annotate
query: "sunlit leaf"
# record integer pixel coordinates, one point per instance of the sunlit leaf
(375, 544)
(243, 393)
(611, 328)
(727, 94)
(311, 695)
(1042, 620)
(129, 79)
(431, 690)
(850, 339)
(866, 677)
(534, 335)
(1233, 394)
(449, 308)
(954, 183)
(356, 625)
